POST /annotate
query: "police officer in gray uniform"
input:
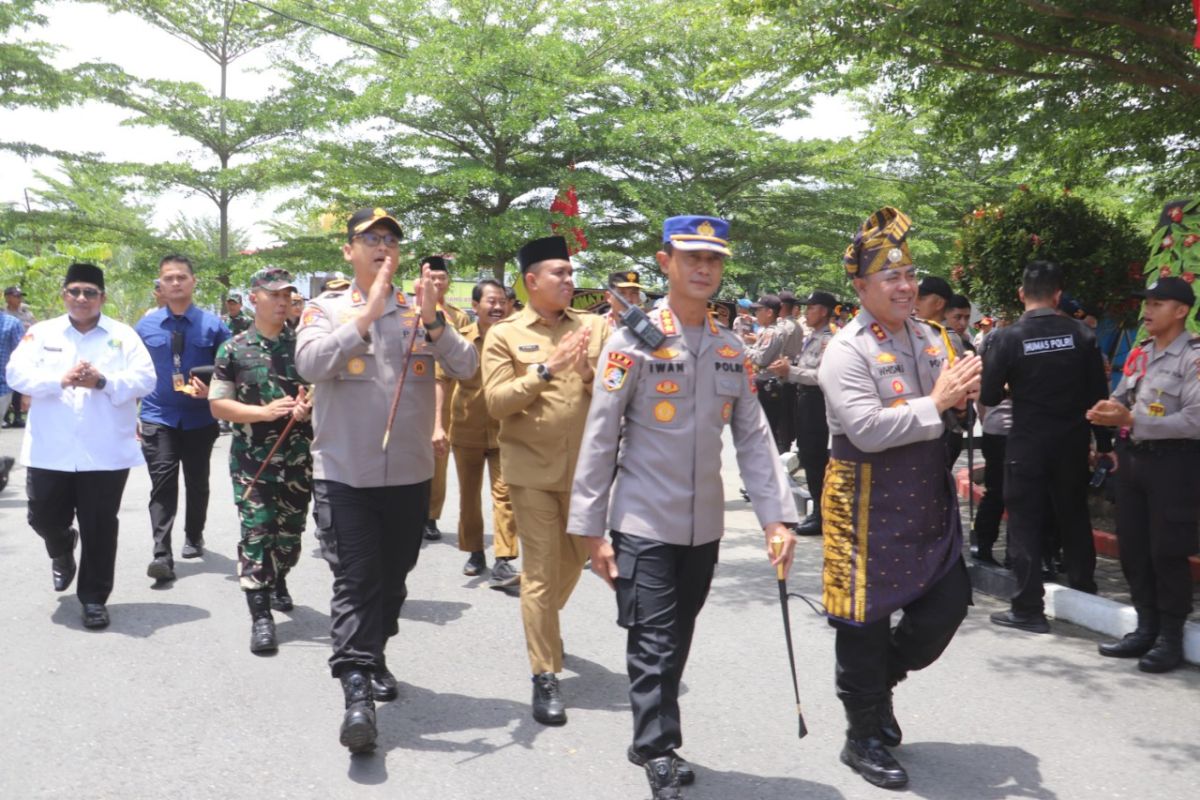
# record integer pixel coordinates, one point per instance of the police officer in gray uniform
(1157, 408)
(371, 503)
(762, 349)
(892, 531)
(665, 512)
(812, 429)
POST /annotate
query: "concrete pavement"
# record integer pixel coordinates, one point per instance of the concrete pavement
(169, 702)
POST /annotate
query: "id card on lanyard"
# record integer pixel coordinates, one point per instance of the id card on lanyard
(177, 379)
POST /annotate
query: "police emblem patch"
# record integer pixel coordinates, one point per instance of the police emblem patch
(665, 352)
(898, 386)
(310, 314)
(933, 351)
(616, 370)
(419, 368)
(664, 411)
(885, 358)
(667, 387)
(725, 351)
(356, 366)
(705, 229)
(726, 411)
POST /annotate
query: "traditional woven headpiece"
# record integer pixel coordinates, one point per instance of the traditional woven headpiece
(879, 244)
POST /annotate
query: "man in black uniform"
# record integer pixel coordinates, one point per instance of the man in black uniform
(1157, 408)
(1054, 373)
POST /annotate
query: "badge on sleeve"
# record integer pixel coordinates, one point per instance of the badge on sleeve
(1156, 410)
(616, 370)
(310, 313)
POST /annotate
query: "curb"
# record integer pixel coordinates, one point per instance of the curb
(1090, 611)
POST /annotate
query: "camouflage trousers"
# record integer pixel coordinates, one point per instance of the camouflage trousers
(272, 518)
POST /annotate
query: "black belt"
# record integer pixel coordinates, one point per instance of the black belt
(1164, 445)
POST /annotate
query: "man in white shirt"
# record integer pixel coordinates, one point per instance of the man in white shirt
(84, 373)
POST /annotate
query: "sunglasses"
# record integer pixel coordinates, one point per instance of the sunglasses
(78, 292)
(371, 239)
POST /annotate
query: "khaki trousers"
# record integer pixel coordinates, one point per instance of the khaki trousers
(437, 489)
(469, 463)
(551, 564)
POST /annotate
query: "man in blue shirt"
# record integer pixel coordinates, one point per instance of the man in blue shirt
(177, 426)
(11, 331)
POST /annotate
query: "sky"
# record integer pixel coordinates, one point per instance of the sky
(88, 32)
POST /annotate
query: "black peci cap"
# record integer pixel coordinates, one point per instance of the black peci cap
(549, 248)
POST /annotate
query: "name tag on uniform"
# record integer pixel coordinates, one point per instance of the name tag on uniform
(528, 348)
(1048, 344)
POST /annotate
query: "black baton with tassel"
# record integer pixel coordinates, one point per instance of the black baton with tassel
(776, 548)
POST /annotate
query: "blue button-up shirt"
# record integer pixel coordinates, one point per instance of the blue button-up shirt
(11, 331)
(202, 332)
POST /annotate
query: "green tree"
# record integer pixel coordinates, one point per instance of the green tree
(233, 134)
(1090, 90)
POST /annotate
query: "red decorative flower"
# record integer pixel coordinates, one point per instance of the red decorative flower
(1189, 276)
(1176, 214)
(979, 213)
(957, 273)
(1035, 240)
(1024, 187)
(1165, 272)
(1167, 242)
(1190, 240)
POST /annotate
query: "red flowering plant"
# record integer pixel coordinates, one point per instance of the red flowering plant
(1099, 253)
(1175, 245)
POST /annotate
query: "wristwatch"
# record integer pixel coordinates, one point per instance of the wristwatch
(439, 321)
(544, 373)
(101, 382)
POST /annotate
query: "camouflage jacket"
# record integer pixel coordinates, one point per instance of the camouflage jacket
(244, 321)
(255, 370)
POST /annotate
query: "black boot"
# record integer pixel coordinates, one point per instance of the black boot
(1137, 643)
(889, 729)
(262, 627)
(664, 780)
(1167, 652)
(358, 724)
(864, 751)
(281, 598)
(810, 526)
(383, 682)
(548, 706)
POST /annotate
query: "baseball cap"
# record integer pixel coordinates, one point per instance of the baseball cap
(770, 301)
(935, 285)
(1169, 289)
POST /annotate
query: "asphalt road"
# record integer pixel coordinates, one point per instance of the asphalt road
(169, 702)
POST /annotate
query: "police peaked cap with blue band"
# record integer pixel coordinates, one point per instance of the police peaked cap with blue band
(697, 233)
(549, 248)
(85, 273)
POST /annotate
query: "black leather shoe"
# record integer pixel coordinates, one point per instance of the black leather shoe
(664, 781)
(889, 729)
(6, 465)
(1167, 652)
(192, 549)
(548, 706)
(1033, 623)
(1132, 645)
(431, 532)
(683, 769)
(983, 555)
(810, 526)
(161, 569)
(281, 598)
(475, 565)
(95, 616)
(358, 723)
(869, 758)
(383, 685)
(62, 568)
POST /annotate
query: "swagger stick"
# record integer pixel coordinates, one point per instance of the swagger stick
(387, 433)
(776, 547)
(274, 449)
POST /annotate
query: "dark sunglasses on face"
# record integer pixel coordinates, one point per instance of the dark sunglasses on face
(78, 292)
(371, 239)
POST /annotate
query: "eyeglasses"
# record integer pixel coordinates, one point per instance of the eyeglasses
(78, 292)
(374, 239)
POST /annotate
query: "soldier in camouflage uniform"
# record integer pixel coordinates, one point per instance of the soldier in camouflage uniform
(237, 319)
(255, 386)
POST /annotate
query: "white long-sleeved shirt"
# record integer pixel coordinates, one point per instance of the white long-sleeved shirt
(77, 429)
